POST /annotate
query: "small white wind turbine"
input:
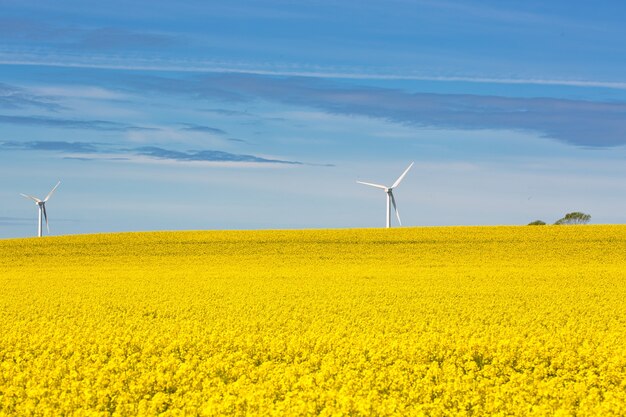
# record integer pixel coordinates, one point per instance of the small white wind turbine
(41, 204)
(390, 199)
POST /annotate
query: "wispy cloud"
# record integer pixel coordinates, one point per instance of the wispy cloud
(203, 129)
(85, 151)
(99, 125)
(203, 67)
(237, 140)
(577, 122)
(13, 97)
(205, 155)
(80, 37)
(58, 146)
(228, 112)
(88, 92)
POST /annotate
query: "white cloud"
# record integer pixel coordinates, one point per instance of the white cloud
(79, 91)
(199, 66)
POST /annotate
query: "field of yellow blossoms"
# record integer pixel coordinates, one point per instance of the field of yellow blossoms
(412, 321)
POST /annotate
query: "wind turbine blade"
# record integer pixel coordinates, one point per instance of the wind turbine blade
(35, 199)
(395, 208)
(373, 185)
(45, 215)
(51, 191)
(395, 184)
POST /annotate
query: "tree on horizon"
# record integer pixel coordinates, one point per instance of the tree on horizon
(573, 218)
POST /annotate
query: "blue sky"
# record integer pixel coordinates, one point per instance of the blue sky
(263, 114)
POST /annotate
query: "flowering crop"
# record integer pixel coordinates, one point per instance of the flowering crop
(409, 321)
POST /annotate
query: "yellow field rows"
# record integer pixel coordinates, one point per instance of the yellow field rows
(412, 321)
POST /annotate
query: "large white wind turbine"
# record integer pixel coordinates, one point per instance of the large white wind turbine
(390, 199)
(41, 204)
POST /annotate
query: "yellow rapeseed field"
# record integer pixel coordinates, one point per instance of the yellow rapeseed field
(412, 321)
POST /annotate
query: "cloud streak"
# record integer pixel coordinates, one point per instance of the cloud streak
(576, 122)
(82, 38)
(188, 127)
(99, 125)
(85, 151)
(203, 67)
(206, 155)
(57, 146)
(228, 112)
(12, 97)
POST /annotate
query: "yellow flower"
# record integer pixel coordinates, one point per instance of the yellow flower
(410, 321)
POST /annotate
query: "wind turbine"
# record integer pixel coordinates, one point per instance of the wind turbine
(390, 199)
(42, 209)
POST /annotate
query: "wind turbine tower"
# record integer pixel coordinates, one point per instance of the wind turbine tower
(390, 198)
(41, 204)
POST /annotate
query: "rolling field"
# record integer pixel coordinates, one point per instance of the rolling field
(411, 321)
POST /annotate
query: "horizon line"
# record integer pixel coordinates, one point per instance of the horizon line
(300, 229)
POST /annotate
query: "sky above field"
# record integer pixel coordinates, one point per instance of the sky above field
(166, 115)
